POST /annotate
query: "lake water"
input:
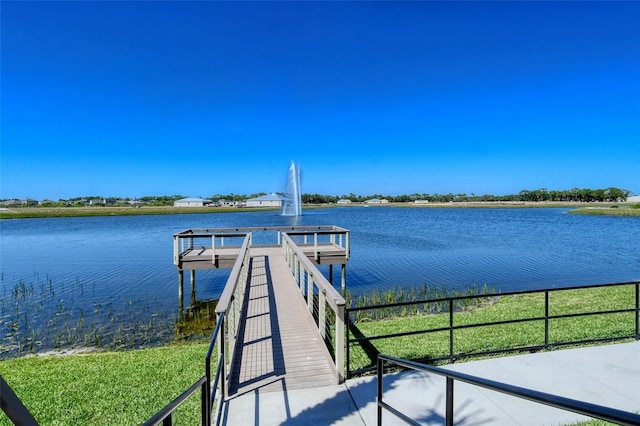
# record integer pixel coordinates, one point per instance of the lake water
(101, 280)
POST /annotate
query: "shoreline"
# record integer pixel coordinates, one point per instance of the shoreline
(608, 209)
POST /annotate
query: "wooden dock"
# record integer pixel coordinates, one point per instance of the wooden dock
(279, 313)
(279, 346)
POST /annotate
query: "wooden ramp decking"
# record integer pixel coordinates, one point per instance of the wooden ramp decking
(279, 347)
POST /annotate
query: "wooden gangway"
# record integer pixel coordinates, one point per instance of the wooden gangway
(283, 321)
(278, 345)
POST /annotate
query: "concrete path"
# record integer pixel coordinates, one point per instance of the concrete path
(605, 375)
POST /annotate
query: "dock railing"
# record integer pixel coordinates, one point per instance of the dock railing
(327, 234)
(319, 294)
(217, 238)
(588, 409)
(214, 388)
(229, 307)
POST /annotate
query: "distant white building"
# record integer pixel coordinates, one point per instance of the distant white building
(421, 202)
(192, 202)
(344, 201)
(269, 200)
(377, 201)
(633, 199)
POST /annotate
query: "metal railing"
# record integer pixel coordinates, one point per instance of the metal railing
(448, 307)
(592, 410)
(208, 395)
(228, 313)
(13, 407)
(319, 294)
(229, 306)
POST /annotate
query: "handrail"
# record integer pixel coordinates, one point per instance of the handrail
(13, 407)
(302, 267)
(165, 415)
(204, 232)
(208, 394)
(592, 410)
(220, 371)
(546, 318)
(230, 304)
(185, 240)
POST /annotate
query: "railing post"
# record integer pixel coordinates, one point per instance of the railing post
(347, 246)
(213, 250)
(449, 415)
(379, 399)
(310, 291)
(637, 311)
(176, 253)
(451, 357)
(322, 307)
(347, 340)
(546, 320)
(206, 411)
(222, 353)
(340, 336)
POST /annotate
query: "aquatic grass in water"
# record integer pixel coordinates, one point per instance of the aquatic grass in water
(35, 317)
(425, 297)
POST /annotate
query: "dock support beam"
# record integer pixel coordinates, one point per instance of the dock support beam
(181, 289)
(344, 278)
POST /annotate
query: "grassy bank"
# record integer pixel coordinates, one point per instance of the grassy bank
(497, 337)
(39, 212)
(88, 211)
(608, 211)
(108, 388)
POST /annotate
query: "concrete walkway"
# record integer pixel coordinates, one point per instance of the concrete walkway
(605, 375)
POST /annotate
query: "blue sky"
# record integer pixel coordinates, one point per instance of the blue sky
(199, 98)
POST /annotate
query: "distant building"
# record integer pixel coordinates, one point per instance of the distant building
(344, 201)
(421, 202)
(11, 203)
(192, 202)
(377, 201)
(633, 199)
(269, 200)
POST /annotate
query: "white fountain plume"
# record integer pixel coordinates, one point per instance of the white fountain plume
(292, 203)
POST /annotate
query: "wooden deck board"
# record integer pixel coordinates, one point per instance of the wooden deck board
(280, 346)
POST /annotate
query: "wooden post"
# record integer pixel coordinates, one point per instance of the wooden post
(344, 278)
(322, 306)
(340, 341)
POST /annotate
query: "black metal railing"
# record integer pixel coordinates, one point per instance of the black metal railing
(447, 306)
(13, 406)
(592, 410)
(208, 394)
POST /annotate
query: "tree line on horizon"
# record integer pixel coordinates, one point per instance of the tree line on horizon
(610, 194)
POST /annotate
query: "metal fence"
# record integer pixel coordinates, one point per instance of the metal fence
(580, 407)
(447, 306)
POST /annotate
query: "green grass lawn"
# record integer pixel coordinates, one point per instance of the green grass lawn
(107, 388)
